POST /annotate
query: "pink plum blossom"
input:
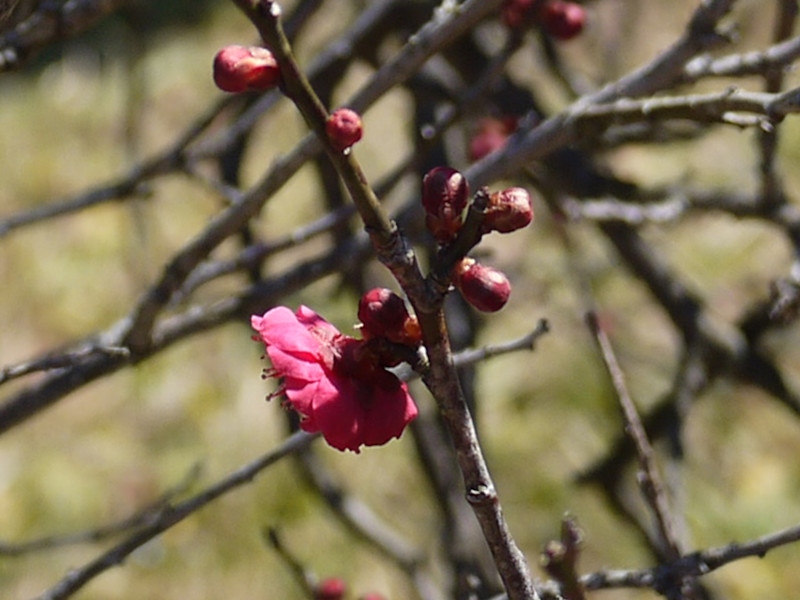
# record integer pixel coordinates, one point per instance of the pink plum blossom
(333, 381)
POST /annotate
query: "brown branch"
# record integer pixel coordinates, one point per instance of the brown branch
(49, 24)
(649, 479)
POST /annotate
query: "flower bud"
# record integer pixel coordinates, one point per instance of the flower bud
(384, 314)
(344, 128)
(517, 14)
(485, 288)
(508, 210)
(332, 588)
(445, 194)
(563, 20)
(241, 69)
(492, 134)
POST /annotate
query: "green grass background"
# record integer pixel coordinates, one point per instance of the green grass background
(114, 445)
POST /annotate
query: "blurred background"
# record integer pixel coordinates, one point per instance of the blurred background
(82, 112)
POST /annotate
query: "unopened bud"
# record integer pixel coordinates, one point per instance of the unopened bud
(445, 193)
(241, 69)
(485, 288)
(492, 134)
(563, 20)
(384, 314)
(508, 210)
(344, 128)
(517, 14)
(332, 588)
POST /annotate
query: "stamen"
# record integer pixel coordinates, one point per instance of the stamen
(268, 372)
(281, 391)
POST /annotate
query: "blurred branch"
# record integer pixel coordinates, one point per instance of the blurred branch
(757, 62)
(304, 578)
(368, 527)
(170, 515)
(649, 478)
(664, 71)
(130, 185)
(696, 564)
(141, 518)
(771, 187)
(49, 23)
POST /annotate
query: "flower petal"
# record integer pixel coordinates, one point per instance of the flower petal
(280, 328)
(311, 320)
(304, 395)
(304, 367)
(388, 415)
(338, 413)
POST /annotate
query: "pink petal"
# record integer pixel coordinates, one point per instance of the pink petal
(339, 414)
(304, 395)
(388, 416)
(306, 368)
(279, 327)
(362, 413)
(321, 329)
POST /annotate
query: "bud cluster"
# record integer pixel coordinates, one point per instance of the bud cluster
(561, 19)
(445, 198)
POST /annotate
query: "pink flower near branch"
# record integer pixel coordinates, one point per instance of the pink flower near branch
(333, 381)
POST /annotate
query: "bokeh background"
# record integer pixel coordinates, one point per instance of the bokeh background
(87, 109)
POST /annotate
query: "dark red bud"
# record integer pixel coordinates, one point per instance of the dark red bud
(332, 588)
(344, 128)
(384, 314)
(508, 210)
(492, 134)
(445, 193)
(485, 288)
(517, 14)
(563, 20)
(241, 69)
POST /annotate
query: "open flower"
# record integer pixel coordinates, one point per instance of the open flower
(333, 381)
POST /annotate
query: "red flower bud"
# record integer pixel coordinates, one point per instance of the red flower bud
(517, 14)
(563, 20)
(445, 194)
(485, 288)
(344, 128)
(508, 210)
(492, 134)
(384, 314)
(241, 69)
(332, 588)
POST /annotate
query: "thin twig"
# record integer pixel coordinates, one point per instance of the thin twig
(649, 479)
